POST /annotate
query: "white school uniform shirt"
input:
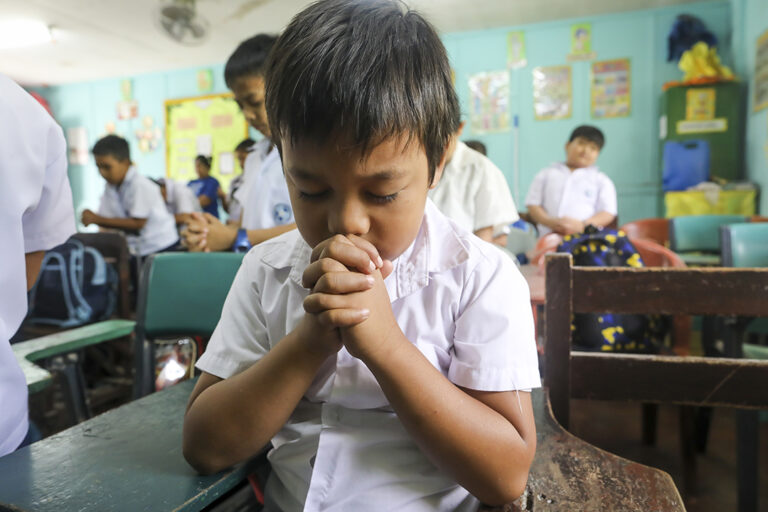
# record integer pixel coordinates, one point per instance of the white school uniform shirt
(266, 202)
(139, 198)
(579, 194)
(36, 214)
(474, 193)
(460, 300)
(180, 198)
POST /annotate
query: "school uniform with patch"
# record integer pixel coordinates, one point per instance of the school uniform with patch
(266, 201)
(180, 198)
(460, 300)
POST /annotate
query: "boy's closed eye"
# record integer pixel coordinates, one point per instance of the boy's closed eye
(373, 197)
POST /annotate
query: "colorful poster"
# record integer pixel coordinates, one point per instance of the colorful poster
(611, 88)
(581, 42)
(552, 92)
(516, 50)
(127, 109)
(761, 72)
(700, 104)
(489, 102)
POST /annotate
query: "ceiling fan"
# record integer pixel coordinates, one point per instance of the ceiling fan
(180, 21)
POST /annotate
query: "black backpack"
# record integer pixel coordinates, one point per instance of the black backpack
(75, 287)
(610, 332)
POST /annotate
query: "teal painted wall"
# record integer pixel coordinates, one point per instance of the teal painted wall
(629, 157)
(750, 21)
(631, 153)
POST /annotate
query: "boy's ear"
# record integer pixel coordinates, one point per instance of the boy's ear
(461, 129)
(440, 167)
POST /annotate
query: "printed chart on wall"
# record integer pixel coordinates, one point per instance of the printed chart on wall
(761, 72)
(206, 125)
(552, 92)
(489, 102)
(611, 94)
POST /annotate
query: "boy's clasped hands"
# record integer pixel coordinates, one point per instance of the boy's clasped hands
(348, 302)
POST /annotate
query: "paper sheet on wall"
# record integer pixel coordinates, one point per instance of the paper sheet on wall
(77, 142)
(611, 88)
(489, 102)
(516, 50)
(226, 162)
(204, 144)
(581, 42)
(552, 92)
(761, 72)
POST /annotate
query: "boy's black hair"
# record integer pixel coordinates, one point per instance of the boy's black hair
(364, 69)
(249, 58)
(591, 133)
(245, 145)
(205, 160)
(477, 146)
(112, 145)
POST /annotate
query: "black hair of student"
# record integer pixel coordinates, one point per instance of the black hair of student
(369, 70)
(477, 146)
(205, 160)
(245, 145)
(160, 182)
(112, 145)
(249, 58)
(591, 133)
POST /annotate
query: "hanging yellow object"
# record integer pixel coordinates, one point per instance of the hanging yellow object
(701, 61)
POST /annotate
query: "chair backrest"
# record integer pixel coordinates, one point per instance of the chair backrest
(114, 247)
(183, 293)
(699, 232)
(650, 229)
(546, 244)
(649, 378)
(744, 245)
(655, 255)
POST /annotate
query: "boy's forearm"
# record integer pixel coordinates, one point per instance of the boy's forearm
(600, 219)
(540, 216)
(128, 224)
(233, 419)
(472, 442)
(256, 236)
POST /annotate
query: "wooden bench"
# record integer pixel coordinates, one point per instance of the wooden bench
(691, 381)
(62, 345)
(130, 459)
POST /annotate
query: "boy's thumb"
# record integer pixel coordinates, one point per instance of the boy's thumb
(386, 268)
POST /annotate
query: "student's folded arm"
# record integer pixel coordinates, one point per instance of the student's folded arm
(485, 233)
(204, 200)
(600, 219)
(540, 216)
(128, 224)
(256, 236)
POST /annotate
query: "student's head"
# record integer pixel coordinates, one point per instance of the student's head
(242, 150)
(362, 108)
(160, 182)
(583, 147)
(477, 146)
(244, 75)
(203, 166)
(113, 158)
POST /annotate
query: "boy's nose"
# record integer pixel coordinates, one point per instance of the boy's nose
(349, 218)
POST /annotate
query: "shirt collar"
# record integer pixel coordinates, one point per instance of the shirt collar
(438, 247)
(563, 167)
(130, 175)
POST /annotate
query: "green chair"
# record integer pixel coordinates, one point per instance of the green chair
(696, 238)
(180, 294)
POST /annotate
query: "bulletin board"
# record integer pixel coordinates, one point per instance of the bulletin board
(211, 125)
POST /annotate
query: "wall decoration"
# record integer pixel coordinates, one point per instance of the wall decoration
(127, 109)
(611, 88)
(110, 128)
(148, 135)
(126, 89)
(552, 92)
(489, 102)
(700, 103)
(210, 125)
(516, 50)
(77, 145)
(581, 42)
(761, 72)
(204, 80)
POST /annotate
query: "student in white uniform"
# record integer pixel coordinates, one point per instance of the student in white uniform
(36, 214)
(263, 195)
(474, 193)
(385, 352)
(567, 197)
(131, 202)
(180, 200)
(231, 203)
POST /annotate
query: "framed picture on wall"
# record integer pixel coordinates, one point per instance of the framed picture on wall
(761, 72)
(552, 92)
(611, 89)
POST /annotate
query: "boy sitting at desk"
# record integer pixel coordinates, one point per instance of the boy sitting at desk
(386, 353)
(567, 197)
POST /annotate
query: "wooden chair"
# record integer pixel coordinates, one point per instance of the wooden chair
(648, 229)
(696, 238)
(113, 246)
(693, 381)
(181, 294)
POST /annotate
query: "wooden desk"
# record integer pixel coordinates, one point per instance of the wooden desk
(127, 459)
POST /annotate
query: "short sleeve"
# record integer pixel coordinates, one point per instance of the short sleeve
(52, 220)
(606, 196)
(240, 338)
(493, 203)
(535, 196)
(494, 340)
(140, 199)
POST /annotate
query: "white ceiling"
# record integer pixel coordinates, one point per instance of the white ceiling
(97, 39)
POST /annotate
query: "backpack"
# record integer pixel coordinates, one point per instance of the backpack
(75, 287)
(611, 332)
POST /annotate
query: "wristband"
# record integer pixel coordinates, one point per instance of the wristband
(242, 244)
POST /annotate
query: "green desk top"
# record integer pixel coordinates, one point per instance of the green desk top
(36, 349)
(128, 459)
(700, 259)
